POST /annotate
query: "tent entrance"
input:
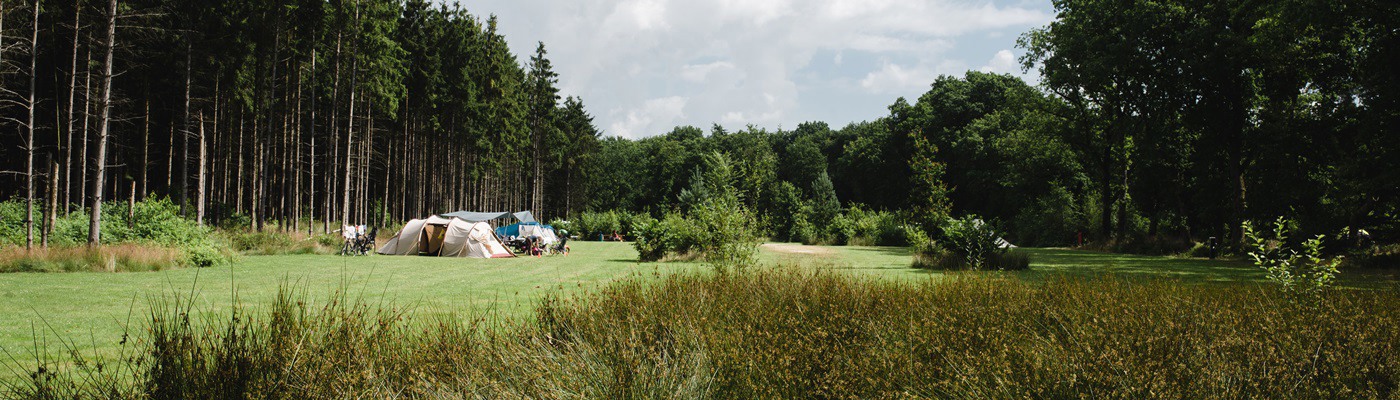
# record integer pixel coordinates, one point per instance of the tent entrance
(433, 235)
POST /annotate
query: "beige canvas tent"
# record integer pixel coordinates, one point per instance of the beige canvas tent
(454, 237)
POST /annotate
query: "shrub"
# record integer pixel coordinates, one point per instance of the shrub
(152, 226)
(1013, 260)
(932, 255)
(860, 227)
(726, 234)
(590, 225)
(204, 255)
(1297, 265)
(272, 242)
(975, 243)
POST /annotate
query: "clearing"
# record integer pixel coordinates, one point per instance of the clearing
(91, 309)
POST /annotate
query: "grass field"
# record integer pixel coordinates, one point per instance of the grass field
(91, 309)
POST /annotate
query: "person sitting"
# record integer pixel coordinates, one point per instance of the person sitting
(616, 237)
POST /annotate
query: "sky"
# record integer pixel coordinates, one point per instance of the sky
(643, 67)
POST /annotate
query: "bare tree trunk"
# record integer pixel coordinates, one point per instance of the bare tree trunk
(87, 117)
(296, 158)
(95, 222)
(29, 140)
(200, 187)
(145, 149)
(349, 150)
(242, 155)
(52, 217)
(312, 178)
(72, 95)
(335, 129)
(185, 138)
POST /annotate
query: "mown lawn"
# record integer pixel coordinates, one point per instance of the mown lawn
(91, 309)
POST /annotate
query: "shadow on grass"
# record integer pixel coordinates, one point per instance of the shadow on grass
(1081, 262)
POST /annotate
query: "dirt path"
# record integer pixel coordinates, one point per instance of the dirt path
(797, 249)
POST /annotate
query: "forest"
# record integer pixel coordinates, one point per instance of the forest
(249, 114)
(1151, 121)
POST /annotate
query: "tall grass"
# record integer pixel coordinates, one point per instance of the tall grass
(107, 258)
(273, 242)
(784, 333)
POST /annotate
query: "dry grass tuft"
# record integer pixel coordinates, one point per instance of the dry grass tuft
(106, 258)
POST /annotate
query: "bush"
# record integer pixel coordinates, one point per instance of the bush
(1013, 260)
(860, 227)
(726, 233)
(973, 241)
(590, 225)
(723, 233)
(134, 238)
(1297, 265)
(276, 242)
(203, 256)
(1376, 257)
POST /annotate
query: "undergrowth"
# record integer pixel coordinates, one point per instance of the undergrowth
(778, 333)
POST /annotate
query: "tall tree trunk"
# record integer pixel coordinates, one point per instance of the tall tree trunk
(312, 178)
(296, 158)
(185, 131)
(242, 155)
(29, 140)
(349, 148)
(200, 187)
(52, 216)
(336, 159)
(87, 118)
(95, 222)
(145, 148)
(72, 95)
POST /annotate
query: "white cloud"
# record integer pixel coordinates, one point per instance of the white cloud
(1002, 63)
(639, 63)
(643, 14)
(894, 78)
(656, 111)
(698, 72)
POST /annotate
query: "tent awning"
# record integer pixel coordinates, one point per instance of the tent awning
(525, 216)
(476, 216)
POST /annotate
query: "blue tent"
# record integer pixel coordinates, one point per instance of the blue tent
(514, 229)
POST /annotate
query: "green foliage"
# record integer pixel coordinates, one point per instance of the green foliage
(861, 227)
(153, 224)
(718, 227)
(206, 255)
(273, 242)
(726, 234)
(928, 196)
(976, 245)
(589, 225)
(1299, 266)
(825, 206)
(784, 333)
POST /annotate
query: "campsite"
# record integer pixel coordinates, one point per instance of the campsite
(704, 200)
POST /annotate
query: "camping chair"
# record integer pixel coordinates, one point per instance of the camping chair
(561, 247)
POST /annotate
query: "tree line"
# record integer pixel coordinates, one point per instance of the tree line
(281, 112)
(1154, 121)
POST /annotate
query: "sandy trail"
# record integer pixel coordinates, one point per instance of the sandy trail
(797, 249)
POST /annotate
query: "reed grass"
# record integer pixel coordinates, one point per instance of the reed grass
(780, 333)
